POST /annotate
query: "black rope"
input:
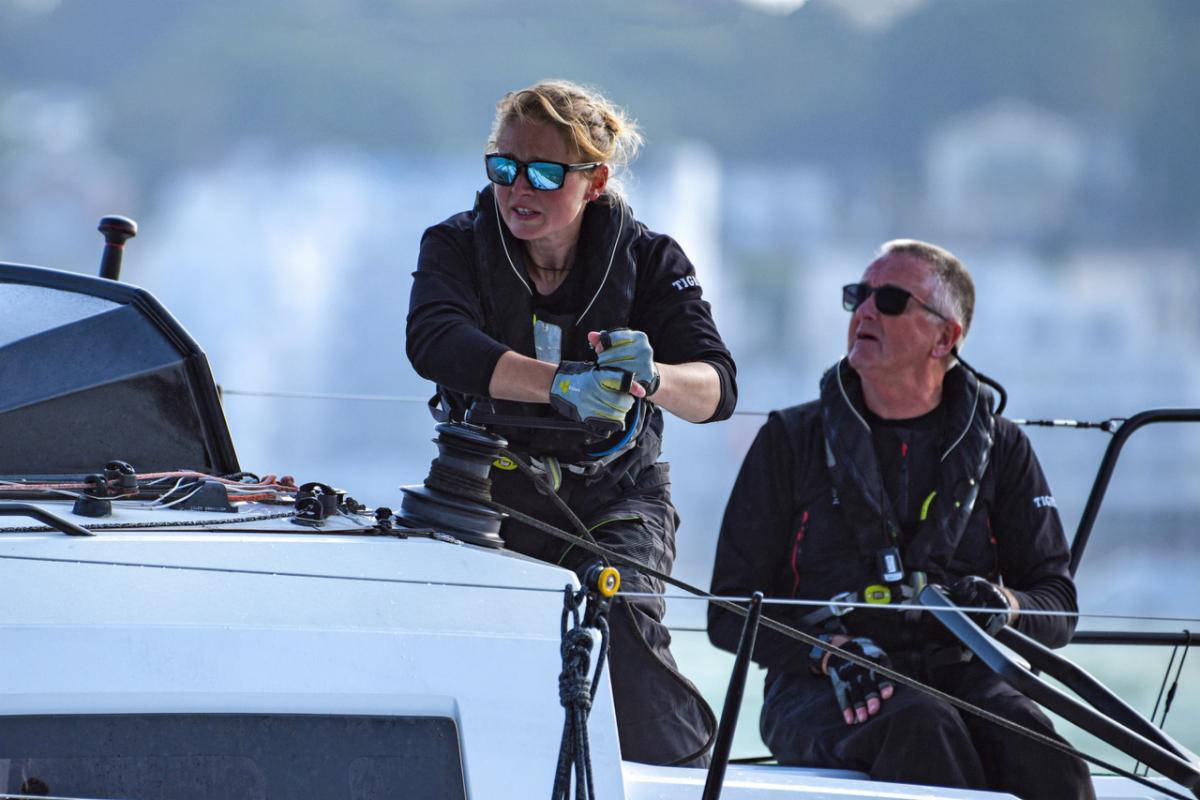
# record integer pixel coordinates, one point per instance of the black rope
(1170, 694)
(587, 542)
(812, 641)
(1158, 700)
(543, 483)
(576, 692)
(1175, 684)
(459, 484)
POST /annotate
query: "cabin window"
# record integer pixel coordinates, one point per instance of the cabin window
(231, 756)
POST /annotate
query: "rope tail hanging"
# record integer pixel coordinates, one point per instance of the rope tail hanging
(576, 692)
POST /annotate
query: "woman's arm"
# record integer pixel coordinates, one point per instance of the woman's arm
(518, 377)
(689, 391)
(698, 374)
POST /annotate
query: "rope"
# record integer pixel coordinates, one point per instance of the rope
(576, 693)
(898, 607)
(1170, 694)
(1175, 684)
(812, 641)
(183, 523)
(459, 484)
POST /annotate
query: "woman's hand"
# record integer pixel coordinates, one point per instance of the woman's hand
(630, 350)
(689, 391)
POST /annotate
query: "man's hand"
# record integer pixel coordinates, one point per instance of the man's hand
(630, 350)
(972, 591)
(599, 397)
(860, 692)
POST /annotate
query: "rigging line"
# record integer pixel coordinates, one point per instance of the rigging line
(790, 601)
(281, 574)
(1162, 688)
(468, 584)
(1108, 425)
(813, 641)
(1175, 684)
(378, 398)
(183, 523)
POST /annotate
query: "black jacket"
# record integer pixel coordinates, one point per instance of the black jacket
(795, 526)
(472, 301)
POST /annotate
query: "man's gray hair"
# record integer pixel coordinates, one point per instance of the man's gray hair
(953, 289)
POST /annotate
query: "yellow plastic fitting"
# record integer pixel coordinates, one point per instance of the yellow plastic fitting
(608, 581)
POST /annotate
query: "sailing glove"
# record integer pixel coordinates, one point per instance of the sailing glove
(854, 686)
(594, 395)
(972, 591)
(630, 350)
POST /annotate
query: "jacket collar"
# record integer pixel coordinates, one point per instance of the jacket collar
(965, 442)
(605, 237)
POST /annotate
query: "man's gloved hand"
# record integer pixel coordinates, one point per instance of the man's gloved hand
(596, 396)
(972, 591)
(630, 350)
(860, 691)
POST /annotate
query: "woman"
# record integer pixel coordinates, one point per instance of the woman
(549, 302)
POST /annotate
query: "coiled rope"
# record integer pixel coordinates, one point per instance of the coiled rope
(576, 693)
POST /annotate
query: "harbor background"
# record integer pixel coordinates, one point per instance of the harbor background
(283, 160)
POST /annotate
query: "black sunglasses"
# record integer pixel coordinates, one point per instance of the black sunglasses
(545, 176)
(890, 300)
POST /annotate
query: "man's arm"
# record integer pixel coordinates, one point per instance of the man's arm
(753, 544)
(1031, 546)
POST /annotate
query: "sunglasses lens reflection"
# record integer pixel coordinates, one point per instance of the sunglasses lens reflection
(501, 170)
(545, 175)
(850, 295)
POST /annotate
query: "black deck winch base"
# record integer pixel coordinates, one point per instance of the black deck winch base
(456, 496)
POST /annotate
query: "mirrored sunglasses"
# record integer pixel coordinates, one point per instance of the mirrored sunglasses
(890, 300)
(545, 176)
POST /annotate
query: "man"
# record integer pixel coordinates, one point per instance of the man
(899, 474)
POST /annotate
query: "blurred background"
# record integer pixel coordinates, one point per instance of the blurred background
(282, 160)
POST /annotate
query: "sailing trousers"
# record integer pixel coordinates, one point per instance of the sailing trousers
(916, 738)
(661, 717)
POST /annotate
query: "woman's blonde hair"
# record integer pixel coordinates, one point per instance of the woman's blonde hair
(593, 126)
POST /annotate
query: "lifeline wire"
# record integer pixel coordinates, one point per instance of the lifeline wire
(1108, 425)
(900, 607)
(377, 398)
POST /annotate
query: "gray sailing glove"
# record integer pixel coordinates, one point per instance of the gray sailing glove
(630, 350)
(594, 395)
